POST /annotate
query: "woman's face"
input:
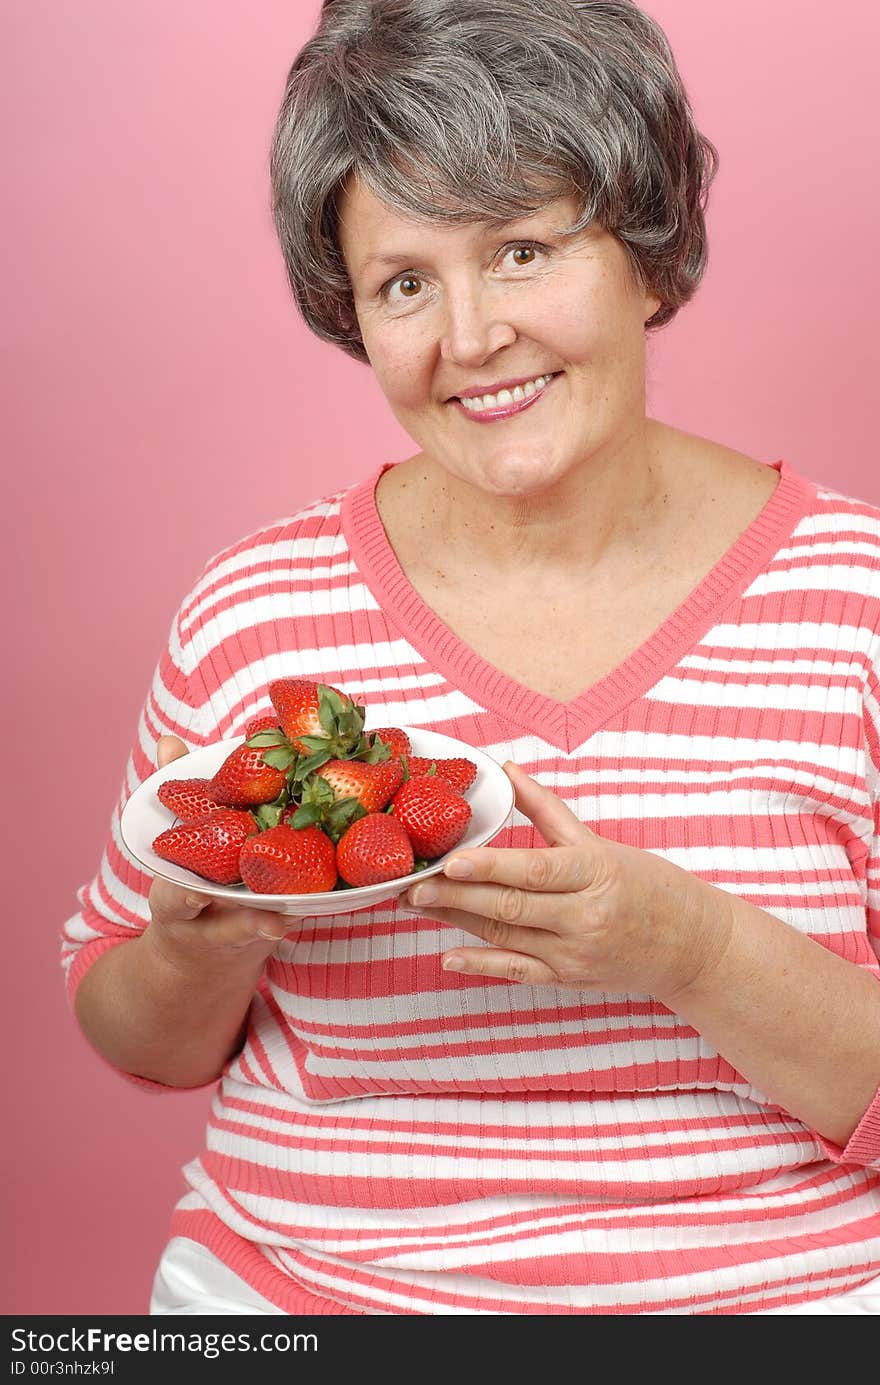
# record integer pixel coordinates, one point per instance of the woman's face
(446, 309)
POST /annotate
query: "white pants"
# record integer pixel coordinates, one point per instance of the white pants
(192, 1280)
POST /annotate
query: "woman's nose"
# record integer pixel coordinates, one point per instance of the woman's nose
(475, 326)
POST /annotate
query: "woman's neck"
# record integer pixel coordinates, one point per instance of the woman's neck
(608, 512)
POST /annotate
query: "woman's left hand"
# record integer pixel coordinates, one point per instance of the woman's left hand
(583, 912)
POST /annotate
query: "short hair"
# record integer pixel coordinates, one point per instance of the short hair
(483, 110)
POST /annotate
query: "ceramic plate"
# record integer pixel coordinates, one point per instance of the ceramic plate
(144, 817)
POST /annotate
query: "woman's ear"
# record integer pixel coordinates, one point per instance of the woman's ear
(653, 304)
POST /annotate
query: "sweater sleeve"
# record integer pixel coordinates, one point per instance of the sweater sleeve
(113, 905)
(863, 1146)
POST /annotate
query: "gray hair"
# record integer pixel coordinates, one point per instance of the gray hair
(479, 110)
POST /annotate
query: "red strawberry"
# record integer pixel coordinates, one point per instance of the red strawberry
(267, 722)
(245, 778)
(397, 741)
(371, 785)
(434, 814)
(188, 799)
(316, 718)
(374, 849)
(209, 847)
(289, 860)
(460, 773)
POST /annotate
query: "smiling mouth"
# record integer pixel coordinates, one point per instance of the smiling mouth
(514, 399)
(514, 405)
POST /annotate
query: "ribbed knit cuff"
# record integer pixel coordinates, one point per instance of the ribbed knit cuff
(863, 1145)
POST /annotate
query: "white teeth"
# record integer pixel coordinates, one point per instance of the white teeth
(506, 397)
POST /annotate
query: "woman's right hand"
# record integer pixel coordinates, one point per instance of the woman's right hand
(187, 924)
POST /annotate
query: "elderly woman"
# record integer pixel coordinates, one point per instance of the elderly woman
(625, 1058)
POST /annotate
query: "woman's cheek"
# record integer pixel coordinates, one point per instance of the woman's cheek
(404, 376)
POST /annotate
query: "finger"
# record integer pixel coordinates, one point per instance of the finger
(222, 923)
(175, 902)
(554, 819)
(551, 869)
(533, 942)
(169, 748)
(506, 903)
(506, 966)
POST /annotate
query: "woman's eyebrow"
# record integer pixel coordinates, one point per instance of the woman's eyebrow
(489, 227)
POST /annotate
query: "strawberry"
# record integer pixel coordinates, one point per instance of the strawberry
(267, 722)
(289, 860)
(374, 849)
(316, 718)
(188, 799)
(210, 847)
(433, 813)
(245, 778)
(396, 740)
(339, 792)
(371, 785)
(460, 773)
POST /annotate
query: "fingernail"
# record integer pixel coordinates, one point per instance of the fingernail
(459, 867)
(423, 894)
(453, 963)
(270, 937)
(193, 902)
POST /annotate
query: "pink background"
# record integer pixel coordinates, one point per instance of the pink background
(164, 398)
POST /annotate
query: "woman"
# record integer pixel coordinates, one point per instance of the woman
(588, 1071)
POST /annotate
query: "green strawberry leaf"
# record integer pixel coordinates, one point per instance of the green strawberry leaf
(306, 816)
(318, 792)
(376, 752)
(267, 738)
(278, 758)
(326, 716)
(315, 742)
(310, 763)
(268, 815)
(405, 762)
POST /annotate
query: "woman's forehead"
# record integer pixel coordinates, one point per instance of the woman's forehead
(362, 214)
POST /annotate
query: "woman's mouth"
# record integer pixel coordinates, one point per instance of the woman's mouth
(492, 408)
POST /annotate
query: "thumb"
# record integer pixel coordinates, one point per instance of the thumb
(553, 818)
(169, 748)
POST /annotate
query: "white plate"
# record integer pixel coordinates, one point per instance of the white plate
(144, 817)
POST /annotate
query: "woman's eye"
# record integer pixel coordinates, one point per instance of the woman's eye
(409, 281)
(524, 250)
(409, 286)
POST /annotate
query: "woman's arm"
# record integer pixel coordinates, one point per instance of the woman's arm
(797, 1021)
(171, 1004)
(168, 1012)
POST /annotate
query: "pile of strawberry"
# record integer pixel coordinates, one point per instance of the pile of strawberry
(310, 802)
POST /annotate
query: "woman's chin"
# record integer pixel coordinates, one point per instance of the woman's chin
(514, 478)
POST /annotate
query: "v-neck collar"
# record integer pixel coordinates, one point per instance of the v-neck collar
(566, 725)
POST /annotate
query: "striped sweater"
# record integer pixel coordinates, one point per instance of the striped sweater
(397, 1139)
